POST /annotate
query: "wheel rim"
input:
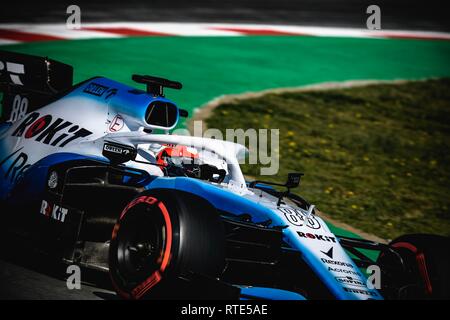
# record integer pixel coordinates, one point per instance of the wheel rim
(140, 244)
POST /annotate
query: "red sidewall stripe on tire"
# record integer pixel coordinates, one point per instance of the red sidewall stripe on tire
(421, 264)
(156, 276)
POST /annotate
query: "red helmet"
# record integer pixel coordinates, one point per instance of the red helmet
(176, 154)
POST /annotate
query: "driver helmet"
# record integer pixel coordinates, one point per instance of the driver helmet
(178, 155)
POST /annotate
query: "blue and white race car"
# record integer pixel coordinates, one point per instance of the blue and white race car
(84, 175)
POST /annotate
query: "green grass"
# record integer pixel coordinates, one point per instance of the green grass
(375, 157)
(212, 66)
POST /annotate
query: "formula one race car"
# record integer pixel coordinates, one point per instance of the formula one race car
(85, 176)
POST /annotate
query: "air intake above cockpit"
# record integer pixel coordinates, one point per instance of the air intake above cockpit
(156, 85)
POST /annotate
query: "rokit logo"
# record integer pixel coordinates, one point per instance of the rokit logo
(53, 211)
(317, 237)
(297, 218)
(57, 133)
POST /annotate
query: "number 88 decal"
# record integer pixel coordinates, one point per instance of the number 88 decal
(19, 108)
(297, 218)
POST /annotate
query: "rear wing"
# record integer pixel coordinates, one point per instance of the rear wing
(30, 82)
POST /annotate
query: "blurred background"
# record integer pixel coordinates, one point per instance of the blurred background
(398, 14)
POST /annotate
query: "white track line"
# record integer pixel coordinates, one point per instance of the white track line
(7, 41)
(57, 30)
(178, 29)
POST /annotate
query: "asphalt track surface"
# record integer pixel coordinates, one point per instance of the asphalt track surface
(399, 14)
(27, 274)
(24, 278)
(24, 282)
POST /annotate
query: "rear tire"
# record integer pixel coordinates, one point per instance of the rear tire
(162, 238)
(424, 273)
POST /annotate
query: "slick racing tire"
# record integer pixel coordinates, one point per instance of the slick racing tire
(162, 238)
(423, 269)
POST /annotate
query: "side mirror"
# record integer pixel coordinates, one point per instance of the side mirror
(293, 180)
(183, 113)
(118, 153)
